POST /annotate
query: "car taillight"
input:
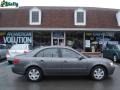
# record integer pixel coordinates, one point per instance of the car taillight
(25, 51)
(16, 61)
(7, 54)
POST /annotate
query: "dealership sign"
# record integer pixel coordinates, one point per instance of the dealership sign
(15, 37)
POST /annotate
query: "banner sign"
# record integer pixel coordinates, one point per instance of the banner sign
(15, 37)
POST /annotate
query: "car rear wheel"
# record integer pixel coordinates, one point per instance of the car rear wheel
(98, 73)
(10, 62)
(34, 74)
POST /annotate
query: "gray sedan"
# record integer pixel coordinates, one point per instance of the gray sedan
(57, 60)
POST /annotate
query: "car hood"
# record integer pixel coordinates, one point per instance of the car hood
(99, 59)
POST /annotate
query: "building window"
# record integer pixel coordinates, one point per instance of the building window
(35, 16)
(80, 17)
(41, 39)
(97, 41)
(75, 40)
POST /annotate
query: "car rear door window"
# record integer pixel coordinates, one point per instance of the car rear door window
(50, 52)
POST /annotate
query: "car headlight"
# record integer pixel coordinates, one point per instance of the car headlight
(111, 64)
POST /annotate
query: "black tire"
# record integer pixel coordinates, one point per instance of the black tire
(10, 62)
(96, 75)
(35, 71)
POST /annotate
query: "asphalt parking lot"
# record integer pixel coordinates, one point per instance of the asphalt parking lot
(11, 81)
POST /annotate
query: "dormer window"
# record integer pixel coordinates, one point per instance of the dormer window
(80, 17)
(35, 16)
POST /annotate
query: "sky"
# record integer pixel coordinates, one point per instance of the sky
(72, 3)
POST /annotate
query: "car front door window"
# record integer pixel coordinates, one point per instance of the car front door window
(67, 53)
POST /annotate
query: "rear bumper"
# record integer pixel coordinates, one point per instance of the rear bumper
(17, 70)
(10, 59)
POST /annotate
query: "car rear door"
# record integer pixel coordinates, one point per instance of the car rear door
(50, 61)
(72, 65)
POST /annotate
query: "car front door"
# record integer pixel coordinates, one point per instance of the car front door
(50, 61)
(72, 64)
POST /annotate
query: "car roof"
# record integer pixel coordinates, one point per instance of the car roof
(67, 47)
(56, 47)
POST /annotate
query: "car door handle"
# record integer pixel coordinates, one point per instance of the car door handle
(42, 60)
(65, 61)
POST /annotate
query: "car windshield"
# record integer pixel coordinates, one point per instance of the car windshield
(118, 47)
(2, 47)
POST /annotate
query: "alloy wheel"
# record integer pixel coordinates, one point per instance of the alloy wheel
(34, 74)
(98, 73)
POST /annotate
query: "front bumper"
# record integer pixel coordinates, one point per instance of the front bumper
(111, 70)
(10, 59)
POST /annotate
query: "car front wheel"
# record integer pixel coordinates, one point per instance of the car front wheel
(34, 74)
(98, 73)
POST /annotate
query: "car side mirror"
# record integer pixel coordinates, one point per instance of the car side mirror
(80, 58)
